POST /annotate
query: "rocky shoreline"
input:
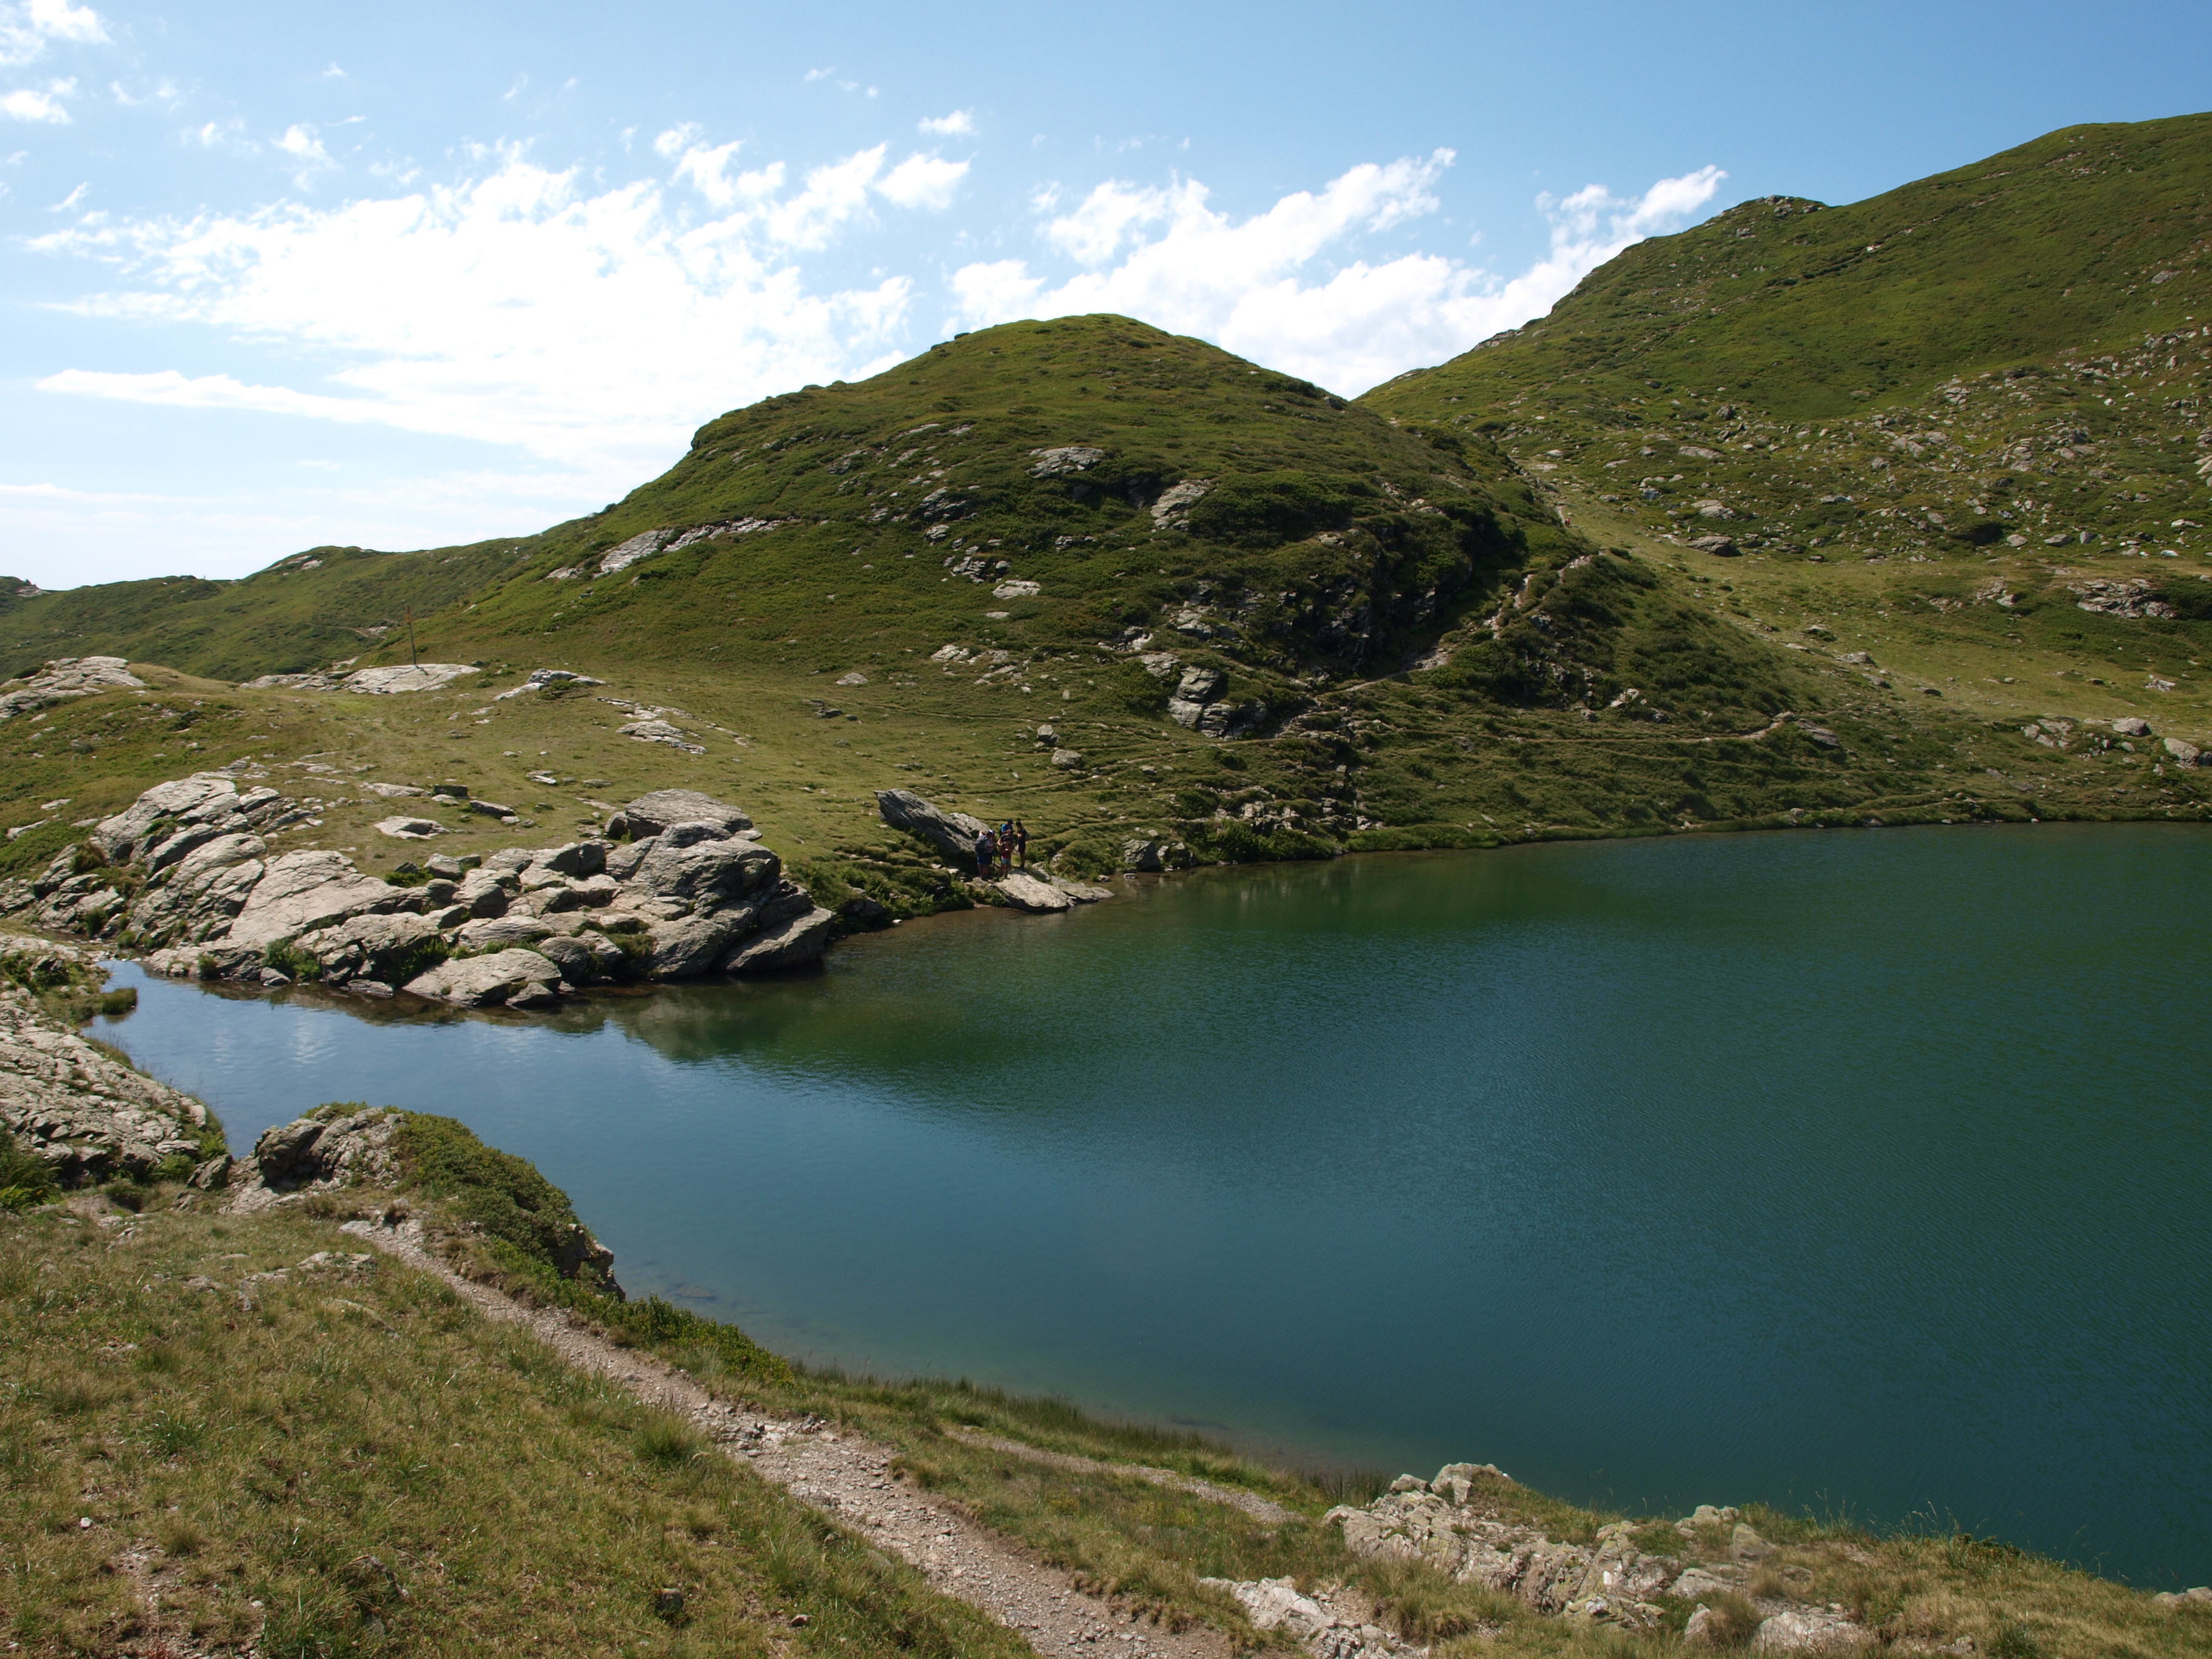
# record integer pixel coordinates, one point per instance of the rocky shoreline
(680, 888)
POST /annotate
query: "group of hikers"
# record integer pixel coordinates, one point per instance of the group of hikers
(1003, 849)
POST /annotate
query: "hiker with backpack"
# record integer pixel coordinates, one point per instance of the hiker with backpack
(987, 854)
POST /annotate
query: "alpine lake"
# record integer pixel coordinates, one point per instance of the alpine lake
(1860, 1172)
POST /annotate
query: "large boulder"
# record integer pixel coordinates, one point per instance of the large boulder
(650, 814)
(315, 1151)
(130, 832)
(1025, 892)
(484, 981)
(202, 891)
(793, 945)
(386, 948)
(582, 958)
(300, 892)
(701, 863)
(694, 944)
(953, 833)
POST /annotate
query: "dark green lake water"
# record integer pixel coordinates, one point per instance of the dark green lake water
(1862, 1171)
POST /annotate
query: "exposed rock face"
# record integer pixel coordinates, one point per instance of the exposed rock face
(699, 889)
(650, 814)
(88, 1117)
(953, 833)
(1331, 1624)
(63, 678)
(1454, 1525)
(795, 943)
(407, 676)
(314, 1152)
(513, 977)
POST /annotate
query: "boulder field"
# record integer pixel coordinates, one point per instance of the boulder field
(184, 875)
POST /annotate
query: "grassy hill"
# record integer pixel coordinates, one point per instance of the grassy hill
(1959, 427)
(1256, 621)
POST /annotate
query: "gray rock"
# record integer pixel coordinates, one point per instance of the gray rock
(702, 863)
(87, 1115)
(380, 946)
(1746, 1545)
(2184, 754)
(1810, 1629)
(479, 981)
(578, 858)
(623, 861)
(129, 832)
(650, 814)
(327, 1149)
(451, 866)
(582, 958)
(1721, 547)
(1067, 760)
(508, 861)
(483, 894)
(298, 892)
(690, 945)
(1025, 892)
(792, 945)
(952, 833)
(1081, 892)
(497, 932)
(64, 678)
(405, 829)
(2128, 725)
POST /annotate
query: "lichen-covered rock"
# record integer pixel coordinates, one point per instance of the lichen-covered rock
(87, 1115)
(63, 678)
(383, 948)
(1448, 1524)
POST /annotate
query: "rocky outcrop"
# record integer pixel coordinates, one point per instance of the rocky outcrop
(953, 834)
(662, 809)
(1460, 1524)
(62, 679)
(512, 978)
(794, 944)
(1334, 1622)
(87, 1115)
(185, 874)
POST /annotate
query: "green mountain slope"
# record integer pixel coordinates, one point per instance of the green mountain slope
(1959, 427)
(1121, 584)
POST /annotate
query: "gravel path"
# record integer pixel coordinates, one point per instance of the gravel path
(850, 1479)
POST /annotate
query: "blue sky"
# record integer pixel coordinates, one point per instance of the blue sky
(411, 275)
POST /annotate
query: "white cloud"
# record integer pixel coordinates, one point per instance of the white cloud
(592, 331)
(923, 181)
(29, 104)
(301, 143)
(26, 30)
(960, 123)
(819, 74)
(1279, 288)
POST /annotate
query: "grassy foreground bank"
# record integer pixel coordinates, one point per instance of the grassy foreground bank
(224, 1433)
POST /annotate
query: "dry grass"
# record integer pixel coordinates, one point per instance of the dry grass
(358, 1464)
